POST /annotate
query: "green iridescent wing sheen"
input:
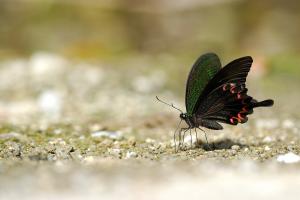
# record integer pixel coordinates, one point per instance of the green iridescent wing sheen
(201, 73)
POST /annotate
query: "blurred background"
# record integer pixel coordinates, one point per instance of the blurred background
(81, 76)
(94, 57)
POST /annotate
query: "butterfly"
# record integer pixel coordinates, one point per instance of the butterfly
(217, 95)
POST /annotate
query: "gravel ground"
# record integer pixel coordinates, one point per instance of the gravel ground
(61, 138)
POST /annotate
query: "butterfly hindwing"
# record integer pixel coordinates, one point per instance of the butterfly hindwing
(204, 69)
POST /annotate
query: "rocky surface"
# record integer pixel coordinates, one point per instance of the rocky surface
(85, 131)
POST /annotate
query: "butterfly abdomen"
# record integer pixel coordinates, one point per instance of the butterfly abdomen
(265, 103)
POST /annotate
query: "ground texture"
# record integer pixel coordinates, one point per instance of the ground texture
(85, 131)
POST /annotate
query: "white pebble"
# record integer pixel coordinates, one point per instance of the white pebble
(288, 158)
(109, 134)
(288, 124)
(149, 140)
(114, 152)
(268, 139)
(267, 148)
(131, 154)
(89, 159)
(50, 104)
(235, 147)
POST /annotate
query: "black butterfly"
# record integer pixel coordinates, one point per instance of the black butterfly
(217, 95)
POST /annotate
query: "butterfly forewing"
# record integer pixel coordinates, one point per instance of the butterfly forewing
(204, 69)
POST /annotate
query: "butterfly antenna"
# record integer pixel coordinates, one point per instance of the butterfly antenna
(171, 105)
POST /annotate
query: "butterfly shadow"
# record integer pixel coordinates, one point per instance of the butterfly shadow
(219, 145)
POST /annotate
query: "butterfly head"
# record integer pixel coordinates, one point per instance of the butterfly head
(183, 116)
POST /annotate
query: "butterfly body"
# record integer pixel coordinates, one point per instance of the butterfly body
(216, 94)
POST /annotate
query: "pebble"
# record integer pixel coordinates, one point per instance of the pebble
(57, 131)
(288, 158)
(115, 152)
(288, 124)
(235, 147)
(76, 155)
(150, 141)
(89, 159)
(109, 134)
(13, 149)
(267, 148)
(95, 127)
(50, 104)
(268, 139)
(63, 152)
(10, 135)
(131, 154)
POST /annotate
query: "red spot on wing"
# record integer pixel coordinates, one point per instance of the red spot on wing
(244, 109)
(238, 119)
(224, 87)
(232, 90)
(240, 116)
(239, 96)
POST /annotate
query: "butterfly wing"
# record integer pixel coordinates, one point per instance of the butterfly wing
(225, 97)
(204, 69)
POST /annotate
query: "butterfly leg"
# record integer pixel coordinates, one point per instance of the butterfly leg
(179, 138)
(175, 135)
(206, 138)
(182, 136)
(191, 138)
(197, 141)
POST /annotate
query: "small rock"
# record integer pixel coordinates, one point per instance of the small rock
(56, 141)
(131, 154)
(235, 147)
(267, 148)
(290, 148)
(39, 153)
(288, 158)
(63, 152)
(163, 146)
(233, 152)
(57, 131)
(109, 134)
(268, 139)
(95, 127)
(82, 137)
(76, 155)
(50, 157)
(115, 152)
(50, 104)
(10, 135)
(89, 159)
(150, 141)
(13, 149)
(288, 124)
(132, 141)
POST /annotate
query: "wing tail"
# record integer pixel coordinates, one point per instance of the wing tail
(265, 103)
